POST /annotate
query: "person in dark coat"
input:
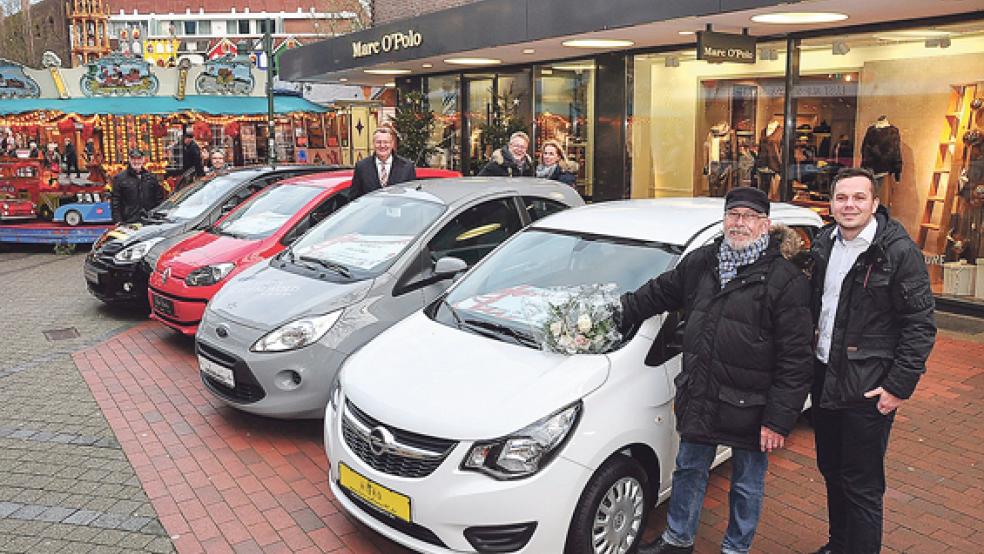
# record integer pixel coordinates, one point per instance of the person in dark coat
(384, 167)
(747, 363)
(136, 191)
(874, 310)
(191, 156)
(512, 161)
(71, 159)
(555, 165)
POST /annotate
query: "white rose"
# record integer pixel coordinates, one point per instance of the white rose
(556, 328)
(565, 341)
(584, 323)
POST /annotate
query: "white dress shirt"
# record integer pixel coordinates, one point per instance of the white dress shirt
(842, 258)
(388, 165)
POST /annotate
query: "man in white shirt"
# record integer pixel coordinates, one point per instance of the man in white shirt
(874, 311)
(384, 167)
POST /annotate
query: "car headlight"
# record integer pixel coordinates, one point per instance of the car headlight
(526, 451)
(136, 252)
(297, 334)
(208, 275)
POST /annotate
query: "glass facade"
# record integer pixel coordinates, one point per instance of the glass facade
(564, 112)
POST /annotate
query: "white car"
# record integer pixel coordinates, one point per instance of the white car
(454, 432)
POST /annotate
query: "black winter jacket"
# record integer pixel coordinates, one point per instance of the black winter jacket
(503, 164)
(881, 150)
(747, 359)
(134, 194)
(884, 328)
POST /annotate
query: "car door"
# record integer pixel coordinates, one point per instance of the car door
(469, 234)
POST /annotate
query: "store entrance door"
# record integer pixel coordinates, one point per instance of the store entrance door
(478, 113)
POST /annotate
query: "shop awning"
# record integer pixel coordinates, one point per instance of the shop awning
(160, 105)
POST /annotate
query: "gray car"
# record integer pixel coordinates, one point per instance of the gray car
(273, 338)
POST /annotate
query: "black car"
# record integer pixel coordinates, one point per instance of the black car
(117, 269)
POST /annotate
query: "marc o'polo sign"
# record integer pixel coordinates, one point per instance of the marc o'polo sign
(388, 43)
(724, 47)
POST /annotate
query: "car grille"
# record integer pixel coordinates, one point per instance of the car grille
(407, 455)
(247, 389)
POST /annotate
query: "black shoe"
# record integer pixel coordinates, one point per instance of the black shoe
(825, 549)
(663, 547)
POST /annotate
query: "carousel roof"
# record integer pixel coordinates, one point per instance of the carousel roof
(160, 105)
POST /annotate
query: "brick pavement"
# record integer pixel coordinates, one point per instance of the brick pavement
(225, 480)
(65, 483)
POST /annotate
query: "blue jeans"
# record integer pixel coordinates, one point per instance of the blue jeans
(693, 464)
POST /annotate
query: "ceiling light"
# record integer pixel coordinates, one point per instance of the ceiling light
(840, 48)
(574, 67)
(427, 65)
(597, 43)
(473, 61)
(798, 18)
(393, 71)
(343, 80)
(686, 33)
(529, 51)
(390, 85)
(672, 61)
(912, 35)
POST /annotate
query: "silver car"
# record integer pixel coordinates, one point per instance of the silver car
(272, 340)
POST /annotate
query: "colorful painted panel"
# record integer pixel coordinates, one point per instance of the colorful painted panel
(14, 83)
(226, 75)
(117, 75)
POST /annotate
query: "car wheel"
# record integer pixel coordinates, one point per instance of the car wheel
(611, 514)
(73, 218)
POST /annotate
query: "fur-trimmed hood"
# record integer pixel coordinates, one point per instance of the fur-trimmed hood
(791, 245)
(568, 166)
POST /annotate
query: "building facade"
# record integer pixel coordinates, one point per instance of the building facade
(35, 29)
(640, 96)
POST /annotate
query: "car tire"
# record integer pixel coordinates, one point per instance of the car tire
(73, 218)
(612, 510)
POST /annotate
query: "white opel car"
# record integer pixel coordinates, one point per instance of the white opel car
(453, 431)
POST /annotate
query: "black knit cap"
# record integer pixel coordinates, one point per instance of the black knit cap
(747, 197)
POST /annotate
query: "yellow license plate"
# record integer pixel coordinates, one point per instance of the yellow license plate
(391, 502)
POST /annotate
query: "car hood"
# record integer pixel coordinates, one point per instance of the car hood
(264, 297)
(432, 379)
(130, 234)
(203, 249)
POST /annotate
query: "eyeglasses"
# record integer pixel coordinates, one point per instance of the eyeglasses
(747, 216)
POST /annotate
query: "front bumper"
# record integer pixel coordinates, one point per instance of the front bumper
(179, 306)
(448, 501)
(288, 385)
(115, 283)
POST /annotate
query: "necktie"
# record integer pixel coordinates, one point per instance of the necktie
(383, 175)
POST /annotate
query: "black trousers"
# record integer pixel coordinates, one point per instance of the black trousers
(851, 444)
(70, 164)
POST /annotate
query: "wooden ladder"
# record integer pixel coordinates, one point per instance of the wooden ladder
(944, 184)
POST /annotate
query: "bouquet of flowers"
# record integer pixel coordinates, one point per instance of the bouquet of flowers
(581, 321)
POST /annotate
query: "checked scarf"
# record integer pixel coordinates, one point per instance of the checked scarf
(729, 259)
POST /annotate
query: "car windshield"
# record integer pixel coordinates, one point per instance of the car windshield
(363, 238)
(195, 199)
(516, 288)
(266, 212)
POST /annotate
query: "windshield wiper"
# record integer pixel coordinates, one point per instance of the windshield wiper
(453, 312)
(336, 267)
(501, 330)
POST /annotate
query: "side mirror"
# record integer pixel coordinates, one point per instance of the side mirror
(448, 266)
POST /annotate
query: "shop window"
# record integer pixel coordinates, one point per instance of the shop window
(441, 97)
(564, 112)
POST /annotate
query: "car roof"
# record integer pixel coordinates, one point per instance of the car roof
(665, 220)
(327, 179)
(457, 190)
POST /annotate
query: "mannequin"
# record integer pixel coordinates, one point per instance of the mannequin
(769, 161)
(719, 154)
(881, 150)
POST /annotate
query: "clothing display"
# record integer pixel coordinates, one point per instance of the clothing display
(720, 159)
(881, 149)
(770, 148)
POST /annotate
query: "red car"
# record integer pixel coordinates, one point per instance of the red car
(189, 273)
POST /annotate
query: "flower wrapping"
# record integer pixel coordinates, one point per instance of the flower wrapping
(581, 320)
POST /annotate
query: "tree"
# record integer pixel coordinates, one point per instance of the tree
(503, 121)
(415, 124)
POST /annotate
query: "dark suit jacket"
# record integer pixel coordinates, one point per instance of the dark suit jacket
(366, 176)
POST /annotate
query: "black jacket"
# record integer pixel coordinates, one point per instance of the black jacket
(881, 150)
(565, 172)
(883, 329)
(365, 178)
(502, 164)
(747, 359)
(192, 158)
(70, 156)
(134, 194)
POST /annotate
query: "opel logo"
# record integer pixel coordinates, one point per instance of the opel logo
(379, 440)
(165, 276)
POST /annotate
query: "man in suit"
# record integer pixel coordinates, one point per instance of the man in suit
(384, 167)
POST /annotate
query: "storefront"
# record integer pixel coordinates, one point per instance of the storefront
(644, 117)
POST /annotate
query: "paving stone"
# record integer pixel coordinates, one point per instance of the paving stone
(28, 512)
(82, 517)
(109, 521)
(7, 508)
(56, 514)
